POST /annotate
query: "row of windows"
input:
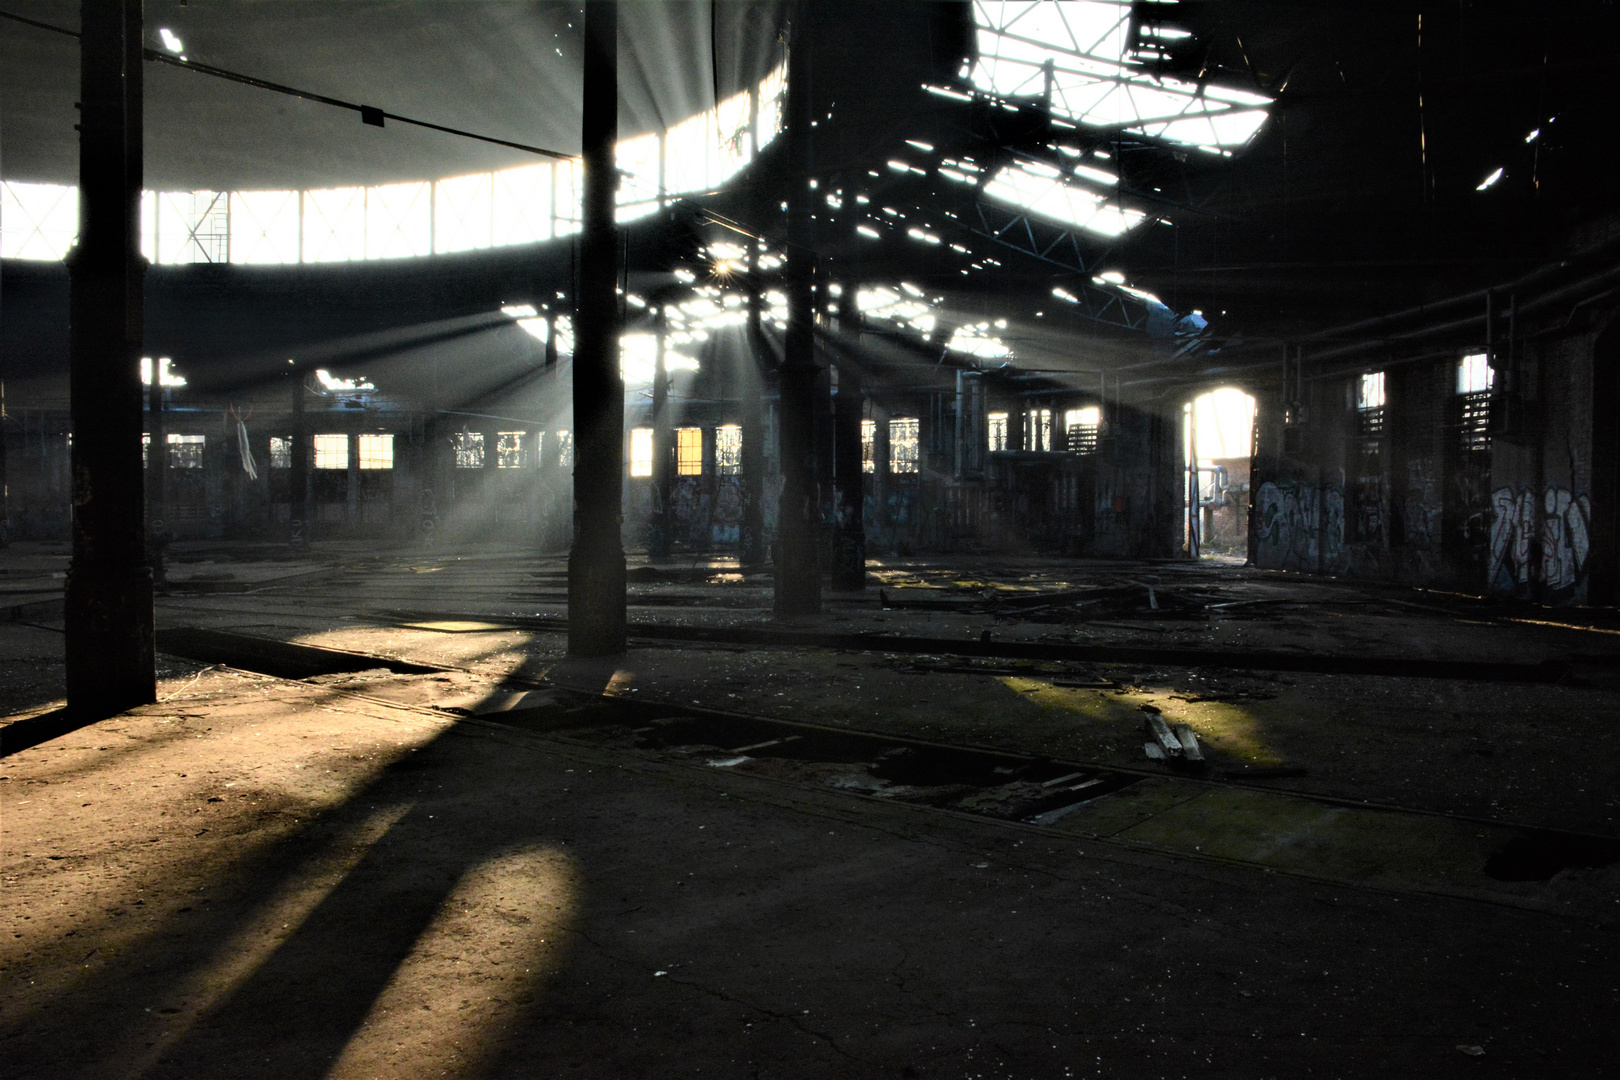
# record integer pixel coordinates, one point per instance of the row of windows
(510, 206)
(1475, 380)
(1079, 425)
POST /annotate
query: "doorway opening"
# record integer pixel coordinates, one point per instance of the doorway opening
(1218, 441)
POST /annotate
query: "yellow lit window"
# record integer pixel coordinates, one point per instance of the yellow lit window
(868, 446)
(689, 451)
(331, 451)
(376, 451)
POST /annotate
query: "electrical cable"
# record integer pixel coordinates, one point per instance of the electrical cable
(369, 114)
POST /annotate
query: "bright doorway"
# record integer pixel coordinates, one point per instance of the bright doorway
(1218, 436)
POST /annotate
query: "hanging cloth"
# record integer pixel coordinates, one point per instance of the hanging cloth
(249, 466)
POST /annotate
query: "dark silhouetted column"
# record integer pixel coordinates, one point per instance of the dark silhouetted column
(798, 575)
(596, 578)
(751, 548)
(110, 647)
(849, 544)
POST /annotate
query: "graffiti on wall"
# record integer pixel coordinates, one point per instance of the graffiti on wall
(1298, 526)
(1422, 510)
(1559, 523)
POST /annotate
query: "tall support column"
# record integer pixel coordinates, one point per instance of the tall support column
(110, 645)
(849, 543)
(751, 547)
(663, 477)
(596, 572)
(298, 475)
(798, 575)
(157, 473)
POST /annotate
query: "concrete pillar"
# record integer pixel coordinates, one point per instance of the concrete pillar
(751, 548)
(798, 575)
(596, 572)
(110, 644)
(663, 449)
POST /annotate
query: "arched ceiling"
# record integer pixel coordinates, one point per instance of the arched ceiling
(506, 69)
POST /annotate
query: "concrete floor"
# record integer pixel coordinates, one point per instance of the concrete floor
(450, 874)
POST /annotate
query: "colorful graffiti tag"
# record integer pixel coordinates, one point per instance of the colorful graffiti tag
(1298, 526)
(1560, 525)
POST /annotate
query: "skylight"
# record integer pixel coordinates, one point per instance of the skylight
(1093, 80)
(1042, 190)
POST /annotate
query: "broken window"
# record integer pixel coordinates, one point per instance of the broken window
(281, 451)
(376, 451)
(728, 450)
(868, 446)
(689, 451)
(509, 450)
(186, 451)
(1080, 429)
(469, 447)
(903, 444)
(1475, 378)
(641, 451)
(565, 449)
(1038, 429)
(1370, 404)
(193, 227)
(997, 425)
(331, 451)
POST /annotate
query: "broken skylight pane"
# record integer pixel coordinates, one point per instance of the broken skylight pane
(1042, 190)
(1093, 80)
